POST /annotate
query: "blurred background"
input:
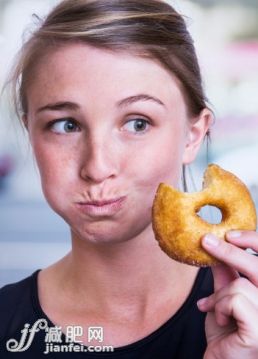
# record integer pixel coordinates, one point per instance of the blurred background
(226, 38)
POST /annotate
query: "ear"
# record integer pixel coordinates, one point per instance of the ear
(197, 130)
(25, 121)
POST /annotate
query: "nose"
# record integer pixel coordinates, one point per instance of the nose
(99, 160)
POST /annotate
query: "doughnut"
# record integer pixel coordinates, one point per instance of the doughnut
(179, 229)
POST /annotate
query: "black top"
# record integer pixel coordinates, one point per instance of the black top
(182, 336)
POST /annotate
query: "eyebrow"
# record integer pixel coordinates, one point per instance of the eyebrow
(67, 105)
(141, 97)
(58, 106)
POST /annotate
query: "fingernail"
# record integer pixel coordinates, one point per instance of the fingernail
(211, 240)
(234, 234)
(201, 302)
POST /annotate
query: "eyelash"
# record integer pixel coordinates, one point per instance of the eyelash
(68, 119)
(144, 120)
(71, 120)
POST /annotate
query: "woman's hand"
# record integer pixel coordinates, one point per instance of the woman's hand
(232, 318)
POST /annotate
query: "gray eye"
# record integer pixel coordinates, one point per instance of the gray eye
(137, 125)
(64, 126)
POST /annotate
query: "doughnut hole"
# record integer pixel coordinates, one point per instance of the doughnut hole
(210, 214)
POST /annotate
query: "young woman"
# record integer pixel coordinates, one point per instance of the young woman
(111, 96)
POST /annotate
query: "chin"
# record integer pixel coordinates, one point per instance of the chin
(108, 233)
(98, 237)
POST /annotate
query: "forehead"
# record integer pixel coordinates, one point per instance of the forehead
(65, 70)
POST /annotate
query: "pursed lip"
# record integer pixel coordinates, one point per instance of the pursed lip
(104, 202)
(103, 207)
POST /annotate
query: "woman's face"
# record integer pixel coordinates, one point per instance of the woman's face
(106, 129)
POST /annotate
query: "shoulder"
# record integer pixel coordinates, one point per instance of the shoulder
(12, 286)
(16, 302)
(12, 293)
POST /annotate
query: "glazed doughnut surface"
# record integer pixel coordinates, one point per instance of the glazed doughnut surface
(179, 229)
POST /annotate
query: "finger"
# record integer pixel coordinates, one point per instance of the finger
(243, 239)
(223, 275)
(222, 319)
(233, 256)
(238, 286)
(243, 312)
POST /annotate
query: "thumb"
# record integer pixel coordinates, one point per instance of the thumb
(222, 273)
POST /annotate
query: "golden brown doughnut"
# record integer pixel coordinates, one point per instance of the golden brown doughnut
(179, 229)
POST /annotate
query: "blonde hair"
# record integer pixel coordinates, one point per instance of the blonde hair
(149, 28)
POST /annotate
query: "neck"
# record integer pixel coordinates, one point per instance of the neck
(123, 274)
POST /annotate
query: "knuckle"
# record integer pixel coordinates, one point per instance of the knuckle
(220, 304)
(227, 249)
(237, 300)
(239, 284)
(230, 302)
